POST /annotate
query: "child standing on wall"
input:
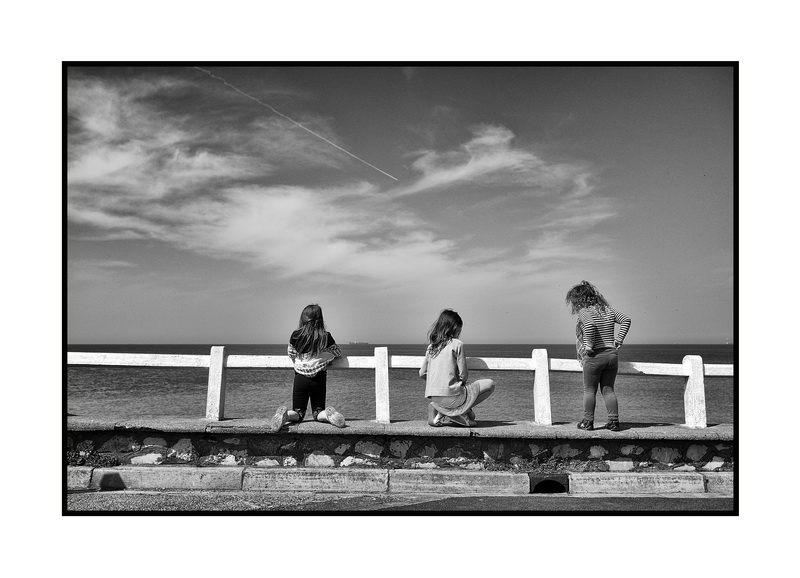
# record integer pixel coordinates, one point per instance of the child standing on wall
(445, 372)
(311, 349)
(597, 347)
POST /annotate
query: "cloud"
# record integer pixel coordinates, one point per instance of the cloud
(489, 159)
(141, 165)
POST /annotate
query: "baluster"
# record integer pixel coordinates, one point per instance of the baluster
(382, 385)
(694, 393)
(541, 387)
(217, 375)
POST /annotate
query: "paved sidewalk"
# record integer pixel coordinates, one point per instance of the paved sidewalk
(311, 503)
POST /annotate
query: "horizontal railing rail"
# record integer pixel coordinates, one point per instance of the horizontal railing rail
(218, 362)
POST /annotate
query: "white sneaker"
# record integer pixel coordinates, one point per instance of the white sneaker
(280, 418)
(334, 417)
(435, 419)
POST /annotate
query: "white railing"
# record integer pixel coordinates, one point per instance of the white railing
(218, 362)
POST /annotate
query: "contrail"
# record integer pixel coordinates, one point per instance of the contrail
(226, 83)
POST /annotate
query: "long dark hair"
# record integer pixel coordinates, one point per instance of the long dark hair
(585, 295)
(447, 327)
(311, 334)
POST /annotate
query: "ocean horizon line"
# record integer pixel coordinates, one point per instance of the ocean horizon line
(379, 343)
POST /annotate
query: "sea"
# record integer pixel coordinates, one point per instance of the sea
(256, 393)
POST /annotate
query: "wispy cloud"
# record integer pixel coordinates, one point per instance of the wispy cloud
(489, 159)
(140, 170)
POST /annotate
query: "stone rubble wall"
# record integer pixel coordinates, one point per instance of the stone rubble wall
(287, 450)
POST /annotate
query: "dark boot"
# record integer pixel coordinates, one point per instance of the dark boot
(587, 424)
(613, 425)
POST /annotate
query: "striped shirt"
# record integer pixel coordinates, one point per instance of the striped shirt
(311, 363)
(595, 328)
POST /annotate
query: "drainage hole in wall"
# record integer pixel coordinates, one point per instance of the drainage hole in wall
(549, 487)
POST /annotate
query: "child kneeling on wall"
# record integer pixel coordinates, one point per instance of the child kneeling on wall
(445, 372)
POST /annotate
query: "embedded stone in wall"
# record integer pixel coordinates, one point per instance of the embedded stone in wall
(399, 448)
(369, 449)
(517, 461)
(232, 441)
(267, 463)
(183, 450)
(424, 465)
(354, 461)
(565, 451)
(715, 464)
(474, 466)
(154, 442)
(685, 468)
(494, 451)
(119, 444)
(631, 450)
(427, 452)
(319, 461)
(696, 452)
(221, 460)
(664, 455)
(536, 450)
(457, 461)
(597, 452)
(147, 459)
(289, 462)
(85, 448)
(620, 465)
(342, 449)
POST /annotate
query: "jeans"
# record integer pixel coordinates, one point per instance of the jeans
(600, 369)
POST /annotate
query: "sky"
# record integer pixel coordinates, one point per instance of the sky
(211, 208)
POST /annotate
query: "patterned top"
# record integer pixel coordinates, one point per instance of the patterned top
(595, 329)
(311, 363)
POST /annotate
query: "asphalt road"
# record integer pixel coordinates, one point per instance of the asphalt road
(290, 503)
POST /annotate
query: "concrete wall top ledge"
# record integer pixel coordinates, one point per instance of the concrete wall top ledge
(488, 429)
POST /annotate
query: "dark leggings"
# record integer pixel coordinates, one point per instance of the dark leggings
(601, 369)
(306, 388)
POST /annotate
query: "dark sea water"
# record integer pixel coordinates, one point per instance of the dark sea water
(251, 393)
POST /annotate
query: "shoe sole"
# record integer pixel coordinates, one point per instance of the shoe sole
(280, 418)
(432, 417)
(456, 420)
(334, 417)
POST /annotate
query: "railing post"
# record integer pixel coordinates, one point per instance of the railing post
(215, 402)
(541, 387)
(382, 384)
(694, 393)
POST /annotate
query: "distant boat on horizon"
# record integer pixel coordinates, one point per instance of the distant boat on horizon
(358, 343)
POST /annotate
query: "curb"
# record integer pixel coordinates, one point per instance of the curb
(364, 480)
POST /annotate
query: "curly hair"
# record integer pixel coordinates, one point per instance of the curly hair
(585, 295)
